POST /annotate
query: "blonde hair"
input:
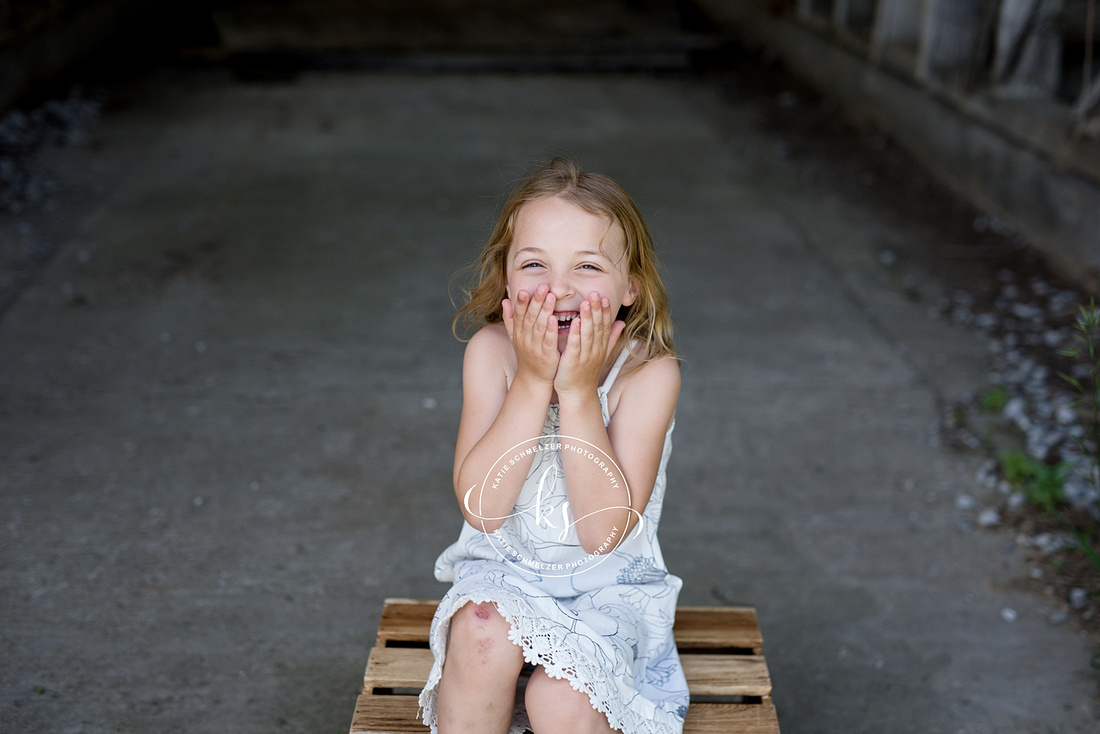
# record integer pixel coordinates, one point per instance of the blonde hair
(648, 324)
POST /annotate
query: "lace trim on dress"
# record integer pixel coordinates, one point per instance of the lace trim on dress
(560, 659)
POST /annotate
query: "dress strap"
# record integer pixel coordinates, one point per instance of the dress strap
(610, 379)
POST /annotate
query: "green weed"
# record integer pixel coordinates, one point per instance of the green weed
(994, 400)
(1042, 485)
(1087, 352)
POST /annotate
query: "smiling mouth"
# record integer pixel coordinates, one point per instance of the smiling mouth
(565, 318)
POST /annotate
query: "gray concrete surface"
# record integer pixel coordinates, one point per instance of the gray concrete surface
(227, 410)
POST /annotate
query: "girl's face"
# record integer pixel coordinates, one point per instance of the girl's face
(574, 253)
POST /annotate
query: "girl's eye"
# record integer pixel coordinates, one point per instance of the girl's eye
(529, 265)
(590, 266)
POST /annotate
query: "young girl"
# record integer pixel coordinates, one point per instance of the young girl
(569, 391)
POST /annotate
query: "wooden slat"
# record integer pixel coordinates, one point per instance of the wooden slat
(731, 718)
(386, 715)
(409, 620)
(397, 715)
(406, 620)
(727, 675)
(397, 667)
(707, 675)
(700, 628)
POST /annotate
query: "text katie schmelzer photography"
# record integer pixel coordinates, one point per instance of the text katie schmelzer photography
(550, 506)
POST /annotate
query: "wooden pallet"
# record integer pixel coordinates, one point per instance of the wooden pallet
(720, 648)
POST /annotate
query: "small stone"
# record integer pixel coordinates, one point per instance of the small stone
(964, 502)
(1016, 411)
(429, 403)
(1035, 572)
(1008, 614)
(1026, 311)
(988, 518)
(887, 257)
(1049, 542)
(198, 502)
(1057, 617)
(986, 321)
(1016, 501)
(1078, 598)
(200, 347)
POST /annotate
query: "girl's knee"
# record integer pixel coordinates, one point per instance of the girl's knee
(480, 634)
(553, 705)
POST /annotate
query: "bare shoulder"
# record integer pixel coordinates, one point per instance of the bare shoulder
(489, 341)
(490, 352)
(656, 382)
(663, 372)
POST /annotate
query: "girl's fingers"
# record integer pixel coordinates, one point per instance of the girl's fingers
(597, 311)
(507, 314)
(541, 319)
(591, 335)
(519, 307)
(616, 330)
(576, 332)
(537, 305)
(531, 312)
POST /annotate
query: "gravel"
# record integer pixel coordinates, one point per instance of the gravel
(25, 133)
(1024, 327)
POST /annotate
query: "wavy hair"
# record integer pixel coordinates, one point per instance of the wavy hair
(648, 324)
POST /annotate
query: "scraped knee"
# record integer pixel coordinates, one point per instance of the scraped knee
(479, 638)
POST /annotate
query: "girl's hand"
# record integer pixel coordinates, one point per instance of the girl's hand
(533, 329)
(591, 338)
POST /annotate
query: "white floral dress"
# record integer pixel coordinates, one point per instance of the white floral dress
(602, 620)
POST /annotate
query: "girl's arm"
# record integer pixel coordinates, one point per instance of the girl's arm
(633, 441)
(496, 416)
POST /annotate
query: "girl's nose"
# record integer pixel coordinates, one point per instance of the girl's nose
(561, 287)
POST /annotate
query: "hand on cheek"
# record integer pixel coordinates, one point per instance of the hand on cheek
(591, 338)
(533, 330)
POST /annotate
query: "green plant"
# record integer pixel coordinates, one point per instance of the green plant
(1042, 485)
(994, 400)
(1087, 352)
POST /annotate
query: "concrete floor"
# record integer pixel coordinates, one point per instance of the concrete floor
(228, 406)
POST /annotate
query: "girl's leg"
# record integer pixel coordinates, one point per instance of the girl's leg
(555, 708)
(477, 691)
